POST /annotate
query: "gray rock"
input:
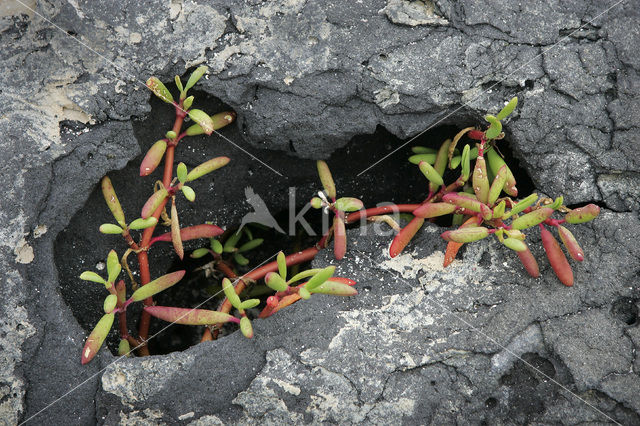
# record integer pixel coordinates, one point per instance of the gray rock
(423, 344)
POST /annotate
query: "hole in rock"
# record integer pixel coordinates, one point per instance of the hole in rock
(221, 198)
(491, 402)
(625, 310)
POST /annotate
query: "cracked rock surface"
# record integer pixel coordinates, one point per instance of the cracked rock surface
(478, 341)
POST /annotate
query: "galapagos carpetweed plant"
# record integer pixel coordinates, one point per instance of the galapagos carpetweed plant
(483, 206)
(226, 256)
(481, 201)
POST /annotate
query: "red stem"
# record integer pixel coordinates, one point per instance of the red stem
(143, 258)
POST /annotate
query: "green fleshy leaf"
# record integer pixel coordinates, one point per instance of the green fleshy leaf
(557, 203)
(455, 161)
(326, 179)
(348, 204)
(195, 76)
(320, 277)
(216, 246)
(498, 184)
(112, 201)
(457, 220)
(200, 252)
(222, 119)
(230, 293)
(508, 109)
(514, 244)
(423, 150)
(466, 163)
(246, 328)
(522, 204)
(203, 119)
(159, 89)
(495, 162)
(427, 158)
(186, 104)
(157, 285)
(219, 120)
(532, 218)
(240, 259)
(194, 130)
(230, 244)
(440, 165)
(282, 265)
(113, 266)
(250, 303)
(583, 214)
(181, 171)
(92, 276)
(123, 348)
(171, 134)
(275, 282)
(430, 173)
(207, 167)
(316, 203)
(494, 129)
(110, 228)
(304, 293)
(178, 83)
(141, 223)
(335, 288)
(250, 245)
(96, 338)
(498, 211)
(189, 193)
(303, 274)
(110, 303)
(466, 235)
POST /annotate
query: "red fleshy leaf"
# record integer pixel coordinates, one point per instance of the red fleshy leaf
(405, 235)
(570, 242)
(153, 157)
(193, 232)
(556, 257)
(476, 135)
(452, 251)
(175, 230)
(429, 210)
(480, 180)
(529, 262)
(157, 285)
(339, 238)
(188, 316)
(153, 203)
(342, 280)
(96, 338)
(282, 303)
(461, 200)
